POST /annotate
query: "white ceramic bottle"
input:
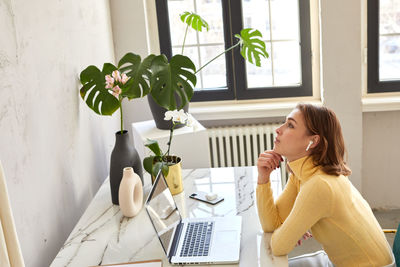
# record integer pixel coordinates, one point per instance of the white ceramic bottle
(130, 193)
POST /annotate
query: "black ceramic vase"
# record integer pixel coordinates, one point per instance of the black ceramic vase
(123, 155)
(158, 113)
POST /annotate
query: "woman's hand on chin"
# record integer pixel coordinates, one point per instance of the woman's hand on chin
(267, 162)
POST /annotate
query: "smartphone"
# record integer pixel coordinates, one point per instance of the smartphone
(202, 197)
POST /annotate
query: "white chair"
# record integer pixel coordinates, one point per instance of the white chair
(10, 252)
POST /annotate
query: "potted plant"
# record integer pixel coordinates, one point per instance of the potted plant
(169, 82)
(103, 91)
(170, 165)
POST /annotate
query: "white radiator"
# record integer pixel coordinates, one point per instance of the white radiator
(240, 145)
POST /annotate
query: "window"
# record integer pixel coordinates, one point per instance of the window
(285, 26)
(383, 46)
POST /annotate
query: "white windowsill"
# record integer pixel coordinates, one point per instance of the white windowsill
(244, 109)
(384, 102)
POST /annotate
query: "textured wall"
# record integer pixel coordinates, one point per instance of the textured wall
(54, 150)
(381, 155)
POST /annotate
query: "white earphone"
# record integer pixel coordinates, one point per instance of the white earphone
(309, 144)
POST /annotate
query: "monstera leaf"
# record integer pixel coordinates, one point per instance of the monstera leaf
(139, 73)
(172, 79)
(251, 46)
(194, 21)
(93, 91)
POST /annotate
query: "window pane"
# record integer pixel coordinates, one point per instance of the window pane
(285, 19)
(260, 76)
(286, 63)
(175, 8)
(283, 66)
(214, 74)
(389, 58)
(211, 11)
(389, 40)
(389, 16)
(200, 47)
(256, 16)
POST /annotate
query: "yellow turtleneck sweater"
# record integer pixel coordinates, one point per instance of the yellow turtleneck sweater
(338, 216)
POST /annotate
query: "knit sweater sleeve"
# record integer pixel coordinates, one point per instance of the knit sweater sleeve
(313, 202)
(272, 214)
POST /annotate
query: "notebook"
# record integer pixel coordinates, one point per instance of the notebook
(213, 240)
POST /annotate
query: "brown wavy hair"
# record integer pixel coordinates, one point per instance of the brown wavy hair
(330, 151)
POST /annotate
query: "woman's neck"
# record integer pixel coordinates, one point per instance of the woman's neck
(296, 157)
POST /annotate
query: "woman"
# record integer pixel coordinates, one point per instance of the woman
(318, 195)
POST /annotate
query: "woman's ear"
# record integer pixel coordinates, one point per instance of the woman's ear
(315, 140)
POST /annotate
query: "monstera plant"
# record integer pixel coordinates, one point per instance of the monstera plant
(170, 82)
(103, 90)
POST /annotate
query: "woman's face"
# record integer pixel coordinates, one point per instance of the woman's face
(292, 137)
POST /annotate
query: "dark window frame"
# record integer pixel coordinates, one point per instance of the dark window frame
(235, 63)
(374, 84)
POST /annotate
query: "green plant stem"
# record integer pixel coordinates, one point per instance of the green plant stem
(171, 132)
(184, 38)
(227, 50)
(120, 110)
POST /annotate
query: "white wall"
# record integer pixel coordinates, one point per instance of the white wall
(54, 149)
(341, 73)
(129, 35)
(381, 156)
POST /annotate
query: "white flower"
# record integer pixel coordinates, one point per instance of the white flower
(168, 115)
(176, 116)
(180, 117)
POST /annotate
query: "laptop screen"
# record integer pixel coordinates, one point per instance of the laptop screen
(163, 212)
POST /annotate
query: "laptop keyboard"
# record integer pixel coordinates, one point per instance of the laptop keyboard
(197, 239)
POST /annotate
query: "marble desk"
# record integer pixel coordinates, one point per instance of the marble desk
(104, 236)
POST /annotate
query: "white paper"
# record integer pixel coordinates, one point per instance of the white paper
(141, 264)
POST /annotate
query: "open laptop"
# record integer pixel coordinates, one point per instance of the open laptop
(213, 240)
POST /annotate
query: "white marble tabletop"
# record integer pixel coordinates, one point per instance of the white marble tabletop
(104, 236)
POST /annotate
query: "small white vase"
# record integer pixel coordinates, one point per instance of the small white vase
(130, 193)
